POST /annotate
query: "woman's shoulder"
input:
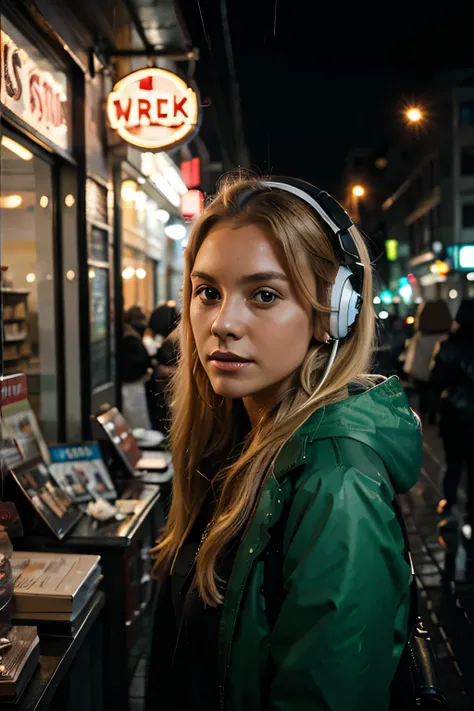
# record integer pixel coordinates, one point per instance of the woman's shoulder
(337, 467)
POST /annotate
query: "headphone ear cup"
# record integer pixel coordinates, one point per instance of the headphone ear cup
(345, 305)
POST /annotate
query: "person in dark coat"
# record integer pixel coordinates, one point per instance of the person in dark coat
(452, 376)
(134, 369)
(433, 321)
(390, 343)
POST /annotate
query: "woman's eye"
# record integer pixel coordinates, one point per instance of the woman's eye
(268, 297)
(207, 293)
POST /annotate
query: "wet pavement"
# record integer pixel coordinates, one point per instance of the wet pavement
(444, 565)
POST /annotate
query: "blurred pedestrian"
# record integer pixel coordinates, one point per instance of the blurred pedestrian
(134, 369)
(432, 324)
(390, 343)
(161, 323)
(452, 376)
(167, 361)
(161, 343)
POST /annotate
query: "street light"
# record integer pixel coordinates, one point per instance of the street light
(357, 192)
(414, 115)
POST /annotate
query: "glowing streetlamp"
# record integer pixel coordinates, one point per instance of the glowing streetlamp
(357, 192)
(414, 115)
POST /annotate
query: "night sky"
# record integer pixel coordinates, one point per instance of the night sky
(318, 81)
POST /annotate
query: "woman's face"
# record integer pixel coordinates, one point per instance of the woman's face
(244, 304)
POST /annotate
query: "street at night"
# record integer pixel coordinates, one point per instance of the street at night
(236, 356)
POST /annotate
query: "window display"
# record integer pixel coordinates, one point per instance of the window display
(28, 284)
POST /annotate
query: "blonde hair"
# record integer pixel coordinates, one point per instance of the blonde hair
(208, 450)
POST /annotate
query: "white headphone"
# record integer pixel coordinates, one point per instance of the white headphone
(346, 300)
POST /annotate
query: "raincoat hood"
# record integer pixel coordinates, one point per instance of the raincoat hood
(382, 419)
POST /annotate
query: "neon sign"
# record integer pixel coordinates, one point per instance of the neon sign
(153, 109)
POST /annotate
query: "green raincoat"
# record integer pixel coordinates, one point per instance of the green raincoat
(343, 621)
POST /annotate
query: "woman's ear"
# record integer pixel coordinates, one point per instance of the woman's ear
(321, 327)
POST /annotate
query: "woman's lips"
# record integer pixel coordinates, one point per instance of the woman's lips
(230, 365)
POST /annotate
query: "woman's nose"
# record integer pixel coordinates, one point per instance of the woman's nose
(229, 321)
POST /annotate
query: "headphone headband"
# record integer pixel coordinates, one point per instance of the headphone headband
(332, 213)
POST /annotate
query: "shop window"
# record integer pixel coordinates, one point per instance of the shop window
(28, 285)
(468, 215)
(466, 113)
(101, 313)
(467, 160)
(100, 326)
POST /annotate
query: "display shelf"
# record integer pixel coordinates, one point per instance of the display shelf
(17, 292)
(57, 656)
(14, 319)
(17, 339)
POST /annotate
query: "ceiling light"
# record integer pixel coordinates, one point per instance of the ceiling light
(44, 201)
(10, 202)
(470, 276)
(17, 148)
(91, 273)
(162, 215)
(175, 229)
(128, 272)
(384, 315)
(30, 278)
(453, 294)
(377, 300)
(70, 275)
(69, 200)
(129, 188)
(140, 273)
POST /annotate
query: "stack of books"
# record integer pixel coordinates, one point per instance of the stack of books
(51, 590)
(19, 657)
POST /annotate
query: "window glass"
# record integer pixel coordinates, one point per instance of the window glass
(28, 284)
(467, 160)
(468, 215)
(466, 113)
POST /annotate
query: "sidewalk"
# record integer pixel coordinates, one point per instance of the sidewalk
(446, 595)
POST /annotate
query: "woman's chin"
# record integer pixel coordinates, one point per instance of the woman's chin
(232, 390)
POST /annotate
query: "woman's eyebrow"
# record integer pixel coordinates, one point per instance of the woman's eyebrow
(249, 278)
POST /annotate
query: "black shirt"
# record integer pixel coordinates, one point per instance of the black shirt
(194, 665)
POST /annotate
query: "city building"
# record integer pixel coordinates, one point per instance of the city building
(91, 222)
(419, 201)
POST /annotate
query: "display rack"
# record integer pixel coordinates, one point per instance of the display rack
(16, 347)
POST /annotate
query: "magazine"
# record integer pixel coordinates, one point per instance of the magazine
(81, 472)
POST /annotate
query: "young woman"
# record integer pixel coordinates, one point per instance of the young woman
(284, 585)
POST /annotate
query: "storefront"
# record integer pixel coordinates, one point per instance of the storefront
(153, 229)
(37, 202)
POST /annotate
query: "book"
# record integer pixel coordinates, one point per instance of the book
(37, 618)
(19, 662)
(56, 624)
(53, 582)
